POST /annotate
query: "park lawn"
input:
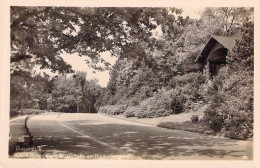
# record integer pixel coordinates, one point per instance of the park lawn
(185, 126)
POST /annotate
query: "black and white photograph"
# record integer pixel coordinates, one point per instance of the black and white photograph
(131, 83)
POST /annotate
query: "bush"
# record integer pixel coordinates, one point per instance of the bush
(163, 103)
(191, 106)
(131, 111)
(176, 103)
(194, 118)
(191, 86)
(194, 79)
(170, 100)
(212, 116)
(134, 101)
(112, 109)
(152, 113)
(139, 112)
(238, 126)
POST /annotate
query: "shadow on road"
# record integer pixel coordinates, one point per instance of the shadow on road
(143, 142)
(155, 143)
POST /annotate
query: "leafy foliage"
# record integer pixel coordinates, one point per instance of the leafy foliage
(40, 34)
(28, 91)
(231, 108)
(112, 109)
(131, 111)
(59, 93)
(74, 94)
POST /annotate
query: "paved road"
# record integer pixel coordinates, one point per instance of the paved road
(95, 136)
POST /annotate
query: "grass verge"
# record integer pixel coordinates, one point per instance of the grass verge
(16, 113)
(185, 126)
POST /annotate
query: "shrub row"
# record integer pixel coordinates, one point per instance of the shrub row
(183, 94)
(133, 111)
(112, 109)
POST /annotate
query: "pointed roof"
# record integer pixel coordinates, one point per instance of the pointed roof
(227, 41)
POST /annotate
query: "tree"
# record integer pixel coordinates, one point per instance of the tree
(93, 92)
(146, 65)
(80, 79)
(40, 34)
(242, 55)
(29, 91)
(233, 17)
(19, 92)
(34, 38)
(65, 95)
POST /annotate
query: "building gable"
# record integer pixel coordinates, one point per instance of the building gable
(216, 42)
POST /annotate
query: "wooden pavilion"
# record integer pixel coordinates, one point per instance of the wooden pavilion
(213, 55)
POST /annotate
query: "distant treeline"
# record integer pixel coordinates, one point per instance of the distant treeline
(58, 93)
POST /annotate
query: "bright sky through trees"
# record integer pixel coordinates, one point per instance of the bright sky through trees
(78, 64)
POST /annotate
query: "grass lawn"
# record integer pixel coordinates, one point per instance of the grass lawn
(186, 126)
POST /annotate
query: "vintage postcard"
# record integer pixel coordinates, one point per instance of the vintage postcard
(123, 84)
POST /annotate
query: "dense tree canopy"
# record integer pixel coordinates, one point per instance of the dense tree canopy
(40, 34)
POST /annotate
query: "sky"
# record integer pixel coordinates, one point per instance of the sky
(193, 13)
(78, 63)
